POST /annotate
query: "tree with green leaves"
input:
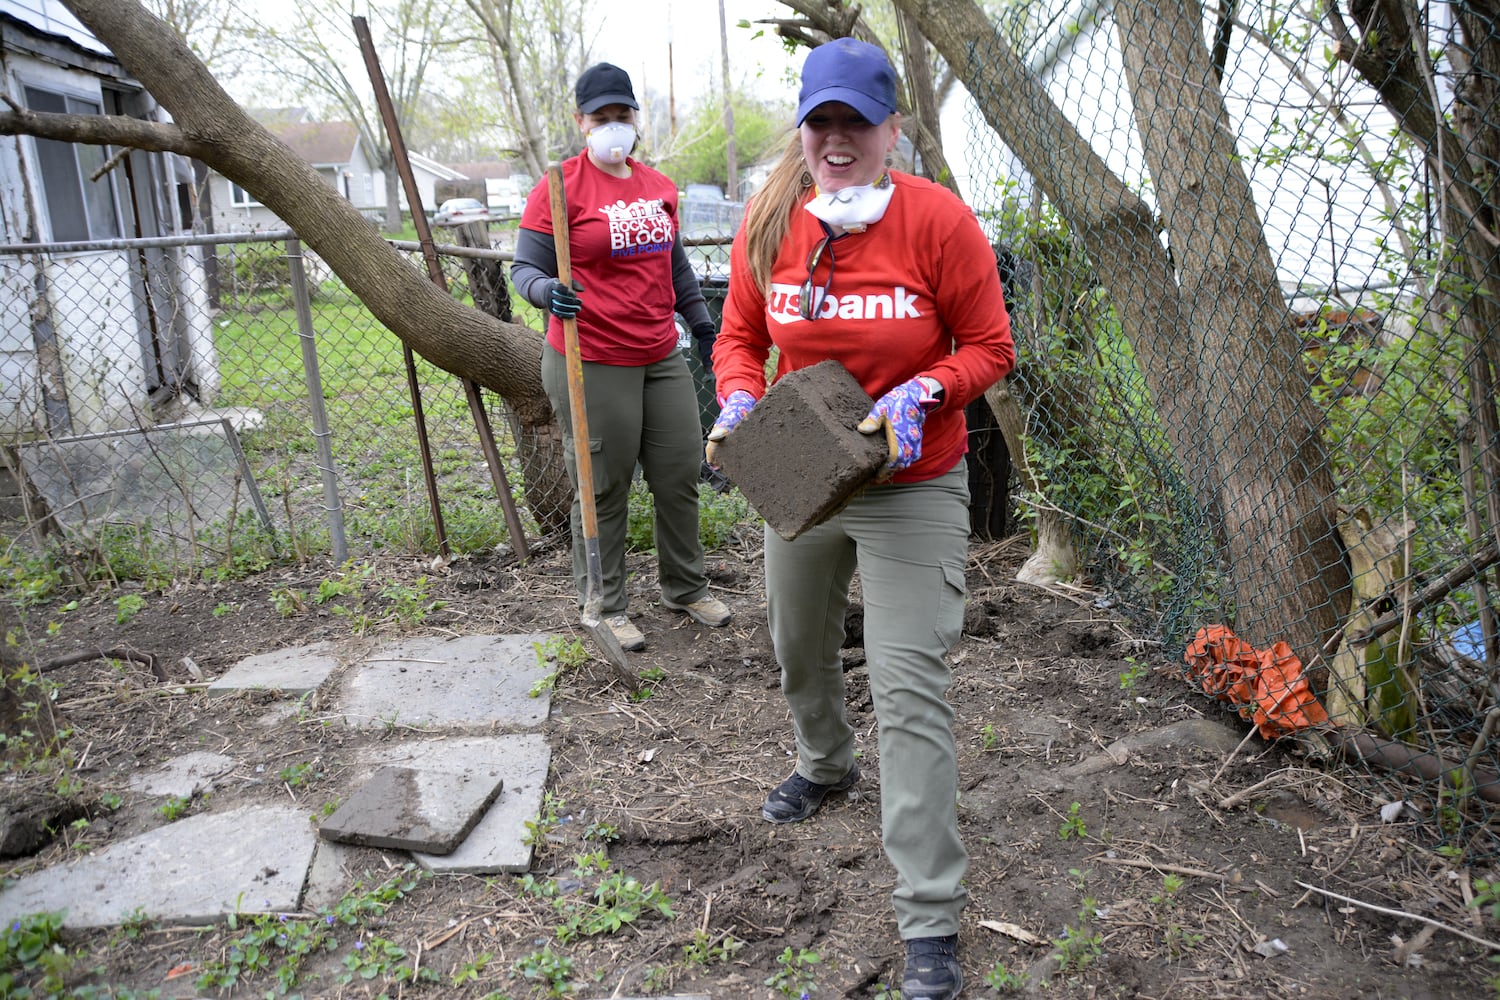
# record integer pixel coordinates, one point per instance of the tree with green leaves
(696, 154)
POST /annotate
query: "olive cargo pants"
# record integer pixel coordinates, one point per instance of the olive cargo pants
(646, 414)
(909, 542)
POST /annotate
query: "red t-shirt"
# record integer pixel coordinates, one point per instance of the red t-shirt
(621, 231)
(916, 293)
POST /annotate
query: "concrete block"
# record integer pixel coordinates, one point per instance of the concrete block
(433, 682)
(412, 809)
(184, 776)
(498, 842)
(197, 870)
(294, 672)
(797, 457)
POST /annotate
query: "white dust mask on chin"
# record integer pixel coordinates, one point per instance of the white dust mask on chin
(611, 143)
(854, 208)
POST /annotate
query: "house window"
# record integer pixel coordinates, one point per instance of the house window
(77, 208)
(240, 198)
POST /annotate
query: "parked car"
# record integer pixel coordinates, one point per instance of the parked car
(458, 211)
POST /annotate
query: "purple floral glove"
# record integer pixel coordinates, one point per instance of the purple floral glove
(731, 412)
(901, 412)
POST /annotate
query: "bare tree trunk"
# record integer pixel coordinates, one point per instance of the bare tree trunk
(1279, 504)
(1291, 513)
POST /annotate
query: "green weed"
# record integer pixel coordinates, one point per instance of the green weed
(1081, 944)
(793, 977)
(127, 607)
(174, 808)
(553, 971)
(545, 822)
(289, 601)
(1002, 980)
(298, 775)
(706, 949)
(1073, 825)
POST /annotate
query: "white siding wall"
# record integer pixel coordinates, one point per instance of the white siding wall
(93, 315)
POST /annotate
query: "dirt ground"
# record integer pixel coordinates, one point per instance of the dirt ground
(1111, 852)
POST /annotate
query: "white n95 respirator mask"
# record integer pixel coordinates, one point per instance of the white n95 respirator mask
(611, 143)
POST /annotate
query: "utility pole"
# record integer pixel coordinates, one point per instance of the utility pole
(732, 184)
(671, 78)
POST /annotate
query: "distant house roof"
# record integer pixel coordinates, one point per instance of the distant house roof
(322, 144)
(280, 116)
(442, 172)
(483, 170)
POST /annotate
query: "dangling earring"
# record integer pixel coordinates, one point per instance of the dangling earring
(888, 160)
(806, 180)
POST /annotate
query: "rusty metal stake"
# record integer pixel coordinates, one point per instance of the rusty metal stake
(435, 272)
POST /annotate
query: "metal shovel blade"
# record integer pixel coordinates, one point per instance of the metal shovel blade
(593, 619)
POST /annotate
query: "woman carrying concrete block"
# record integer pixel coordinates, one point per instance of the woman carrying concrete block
(841, 257)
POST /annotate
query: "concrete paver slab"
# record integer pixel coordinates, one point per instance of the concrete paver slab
(184, 776)
(478, 680)
(293, 672)
(200, 869)
(414, 809)
(330, 877)
(497, 842)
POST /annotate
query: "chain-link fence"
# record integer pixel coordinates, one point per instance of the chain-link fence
(194, 404)
(1257, 344)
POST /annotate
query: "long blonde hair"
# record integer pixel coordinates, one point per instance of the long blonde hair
(768, 215)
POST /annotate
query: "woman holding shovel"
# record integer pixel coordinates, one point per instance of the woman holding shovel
(631, 275)
(841, 257)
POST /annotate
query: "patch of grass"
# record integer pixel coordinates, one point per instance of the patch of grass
(274, 947)
(720, 516)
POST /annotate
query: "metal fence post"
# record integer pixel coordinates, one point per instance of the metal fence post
(332, 503)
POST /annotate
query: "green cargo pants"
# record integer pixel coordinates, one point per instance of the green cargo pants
(646, 415)
(909, 542)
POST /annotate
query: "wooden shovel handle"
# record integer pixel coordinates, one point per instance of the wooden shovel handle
(574, 359)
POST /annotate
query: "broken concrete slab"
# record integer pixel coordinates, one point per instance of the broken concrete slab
(798, 457)
(184, 776)
(294, 672)
(498, 841)
(414, 809)
(200, 869)
(330, 876)
(477, 680)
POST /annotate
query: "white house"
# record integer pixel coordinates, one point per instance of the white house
(341, 157)
(90, 334)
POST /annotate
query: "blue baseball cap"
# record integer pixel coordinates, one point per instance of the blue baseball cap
(852, 72)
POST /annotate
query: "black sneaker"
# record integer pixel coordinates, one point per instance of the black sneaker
(796, 798)
(932, 971)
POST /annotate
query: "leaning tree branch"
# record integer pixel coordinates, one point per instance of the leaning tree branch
(103, 130)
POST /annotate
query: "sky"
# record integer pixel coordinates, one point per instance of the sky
(636, 37)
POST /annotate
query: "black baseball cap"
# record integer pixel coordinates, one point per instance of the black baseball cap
(602, 84)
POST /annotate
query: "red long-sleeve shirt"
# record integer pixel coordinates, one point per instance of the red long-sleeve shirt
(916, 293)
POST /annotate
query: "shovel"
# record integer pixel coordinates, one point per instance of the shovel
(593, 595)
